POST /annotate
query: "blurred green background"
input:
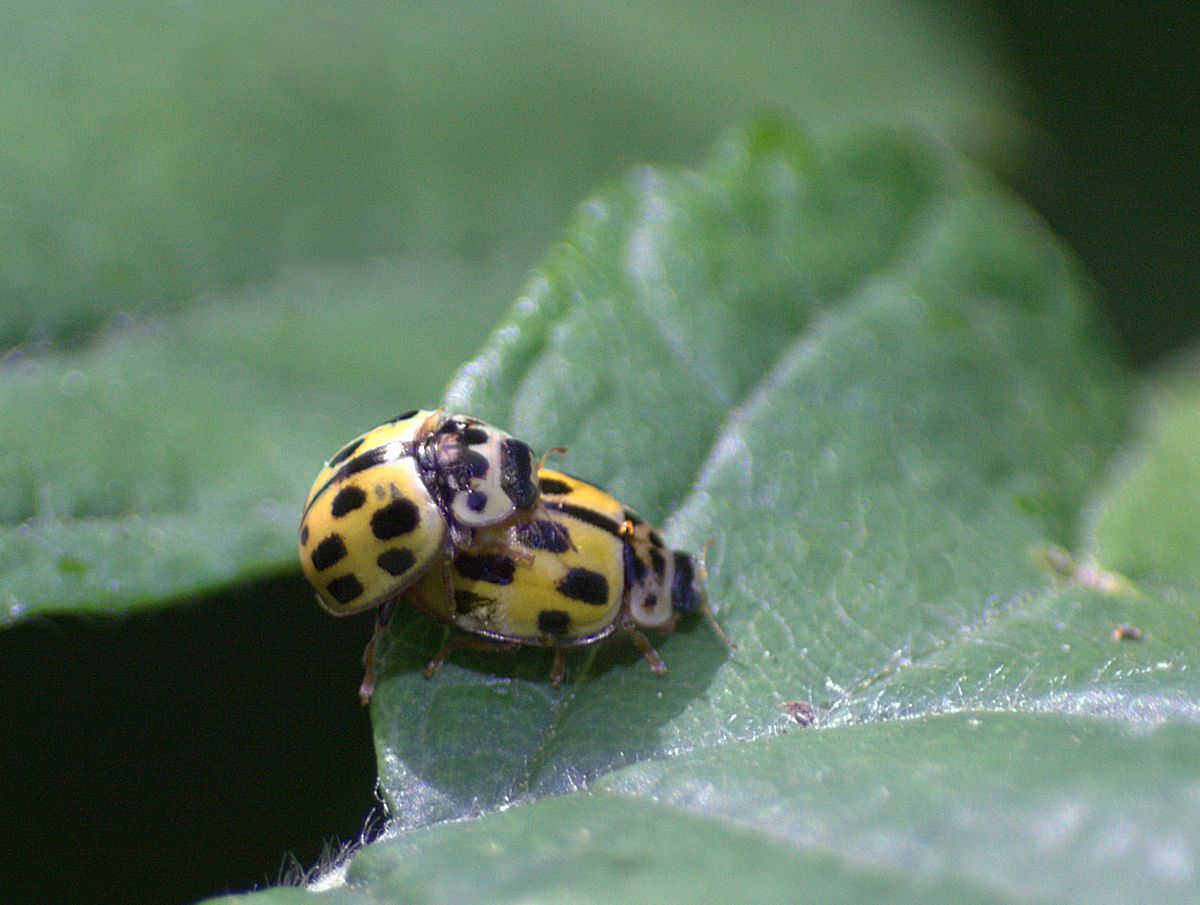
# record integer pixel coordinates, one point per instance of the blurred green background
(156, 151)
(152, 152)
(154, 156)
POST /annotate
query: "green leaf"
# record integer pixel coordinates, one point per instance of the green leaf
(858, 367)
(163, 150)
(1149, 526)
(173, 454)
(1047, 808)
(1005, 808)
(879, 385)
(599, 848)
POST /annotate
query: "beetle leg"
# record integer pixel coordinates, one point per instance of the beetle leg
(463, 642)
(382, 618)
(559, 670)
(657, 666)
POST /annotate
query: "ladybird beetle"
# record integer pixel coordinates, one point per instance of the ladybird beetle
(402, 497)
(584, 568)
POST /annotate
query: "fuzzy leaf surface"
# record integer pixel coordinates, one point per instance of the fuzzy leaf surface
(883, 443)
(862, 370)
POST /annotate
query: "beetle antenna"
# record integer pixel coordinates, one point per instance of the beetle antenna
(561, 450)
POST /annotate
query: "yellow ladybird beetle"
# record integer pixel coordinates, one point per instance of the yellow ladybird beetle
(402, 498)
(580, 569)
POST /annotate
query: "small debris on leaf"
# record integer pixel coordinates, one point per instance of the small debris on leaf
(1127, 632)
(802, 712)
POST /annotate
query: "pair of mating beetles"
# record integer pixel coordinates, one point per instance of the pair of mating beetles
(459, 518)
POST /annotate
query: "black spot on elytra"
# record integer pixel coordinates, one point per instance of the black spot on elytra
(543, 534)
(656, 539)
(684, 596)
(516, 473)
(585, 586)
(375, 456)
(651, 601)
(597, 519)
(304, 534)
(477, 500)
(396, 518)
(554, 486)
(657, 562)
(328, 552)
(493, 568)
(396, 561)
(403, 417)
(388, 452)
(553, 622)
(345, 452)
(466, 602)
(344, 588)
(347, 500)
